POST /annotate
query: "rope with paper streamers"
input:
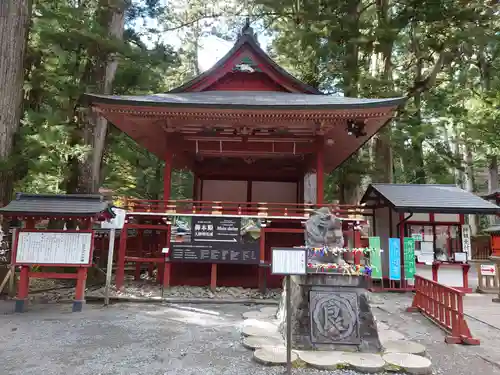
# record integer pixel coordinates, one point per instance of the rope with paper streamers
(325, 250)
(346, 269)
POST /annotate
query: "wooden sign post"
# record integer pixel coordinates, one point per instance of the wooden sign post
(55, 248)
(116, 223)
(288, 262)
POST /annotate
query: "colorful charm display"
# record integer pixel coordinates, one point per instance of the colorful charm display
(346, 269)
(338, 250)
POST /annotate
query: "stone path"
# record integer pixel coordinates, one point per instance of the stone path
(260, 333)
(447, 359)
(483, 318)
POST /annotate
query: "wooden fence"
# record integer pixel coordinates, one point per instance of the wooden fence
(481, 247)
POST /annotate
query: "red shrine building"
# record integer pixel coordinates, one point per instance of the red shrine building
(258, 142)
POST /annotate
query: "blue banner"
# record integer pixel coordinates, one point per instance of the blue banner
(394, 259)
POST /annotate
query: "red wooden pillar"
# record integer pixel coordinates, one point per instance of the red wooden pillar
(139, 240)
(81, 277)
(120, 269)
(167, 177)
(167, 183)
(262, 270)
(22, 289)
(320, 171)
(166, 271)
(195, 187)
(356, 243)
(213, 277)
(24, 278)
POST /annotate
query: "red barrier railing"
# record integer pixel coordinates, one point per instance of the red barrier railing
(295, 210)
(444, 306)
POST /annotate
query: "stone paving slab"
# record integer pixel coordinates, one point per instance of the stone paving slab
(326, 360)
(270, 350)
(258, 342)
(404, 346)
(365, 362)
(257, 315)
(412, 364)
(271, 356)
(269, 310)
(259, 331)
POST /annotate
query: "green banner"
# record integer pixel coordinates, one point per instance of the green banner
(409, 249)
(375, 259)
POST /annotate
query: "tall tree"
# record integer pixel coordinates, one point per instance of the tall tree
(14, 25)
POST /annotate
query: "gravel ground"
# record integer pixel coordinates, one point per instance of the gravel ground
(181, 339)
(129, 339)
(146, 289)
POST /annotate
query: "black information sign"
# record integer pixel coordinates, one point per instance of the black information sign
(215, 239)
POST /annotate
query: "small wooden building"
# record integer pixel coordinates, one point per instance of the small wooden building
(49, 249)
(493, 230)
(258, 142)
(434, 216)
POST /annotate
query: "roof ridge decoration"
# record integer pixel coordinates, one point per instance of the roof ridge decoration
(248, 30)
(225, 65)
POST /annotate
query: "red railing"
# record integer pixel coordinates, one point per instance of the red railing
(298, 210)
(444, 306)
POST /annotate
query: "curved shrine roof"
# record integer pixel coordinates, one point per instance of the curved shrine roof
(246, 105)
(245, 100)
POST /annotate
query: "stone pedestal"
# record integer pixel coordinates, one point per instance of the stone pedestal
(496, 259)
(330, 312)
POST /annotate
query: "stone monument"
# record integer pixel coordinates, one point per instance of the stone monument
(330, 311)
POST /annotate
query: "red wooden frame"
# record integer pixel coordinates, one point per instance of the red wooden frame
(444, 306)
(16, 243)
(433, 224)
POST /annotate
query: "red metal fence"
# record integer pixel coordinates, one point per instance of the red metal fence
(444, 306)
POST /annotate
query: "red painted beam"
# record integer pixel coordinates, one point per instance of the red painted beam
(144, 260)
(52, 275)
(236, 147)
(147, 226)
(283, 230)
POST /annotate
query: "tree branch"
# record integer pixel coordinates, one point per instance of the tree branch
(427, 83)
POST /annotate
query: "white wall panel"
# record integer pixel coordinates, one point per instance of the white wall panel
(224, 190)
(274, 192)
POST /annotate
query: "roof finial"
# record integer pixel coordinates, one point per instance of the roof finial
(247, 29)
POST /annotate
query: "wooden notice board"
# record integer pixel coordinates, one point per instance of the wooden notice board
(54, 248)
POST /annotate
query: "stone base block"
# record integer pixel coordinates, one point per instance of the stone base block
(78, 306)
(330, 312)
(20, 305)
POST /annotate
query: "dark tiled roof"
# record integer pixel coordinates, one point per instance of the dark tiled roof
(490, 195)
(493, 229)
(246, 99)
(55, 205)
(429, 198)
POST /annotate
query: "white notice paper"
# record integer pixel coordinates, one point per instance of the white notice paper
(289, 261)
(427, 247)
(53, 248)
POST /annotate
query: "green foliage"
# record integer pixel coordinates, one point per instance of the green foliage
(62, 49)
(443, 56)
